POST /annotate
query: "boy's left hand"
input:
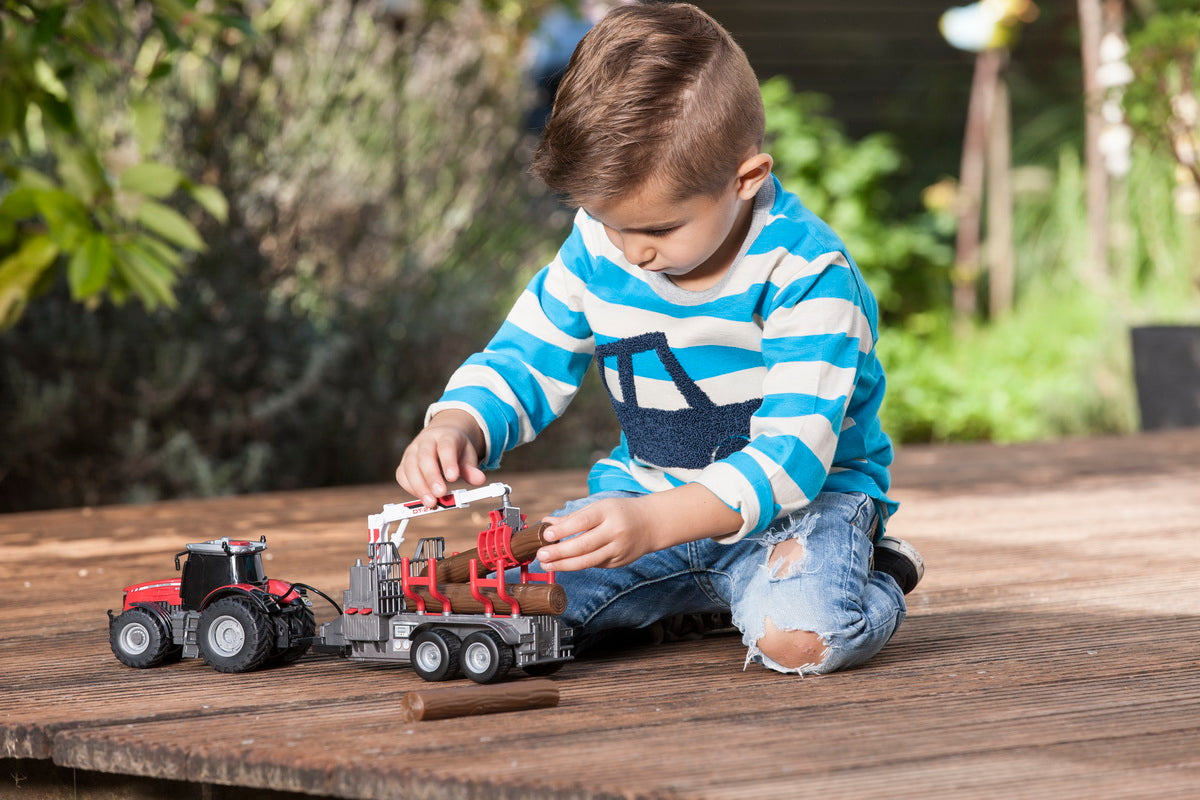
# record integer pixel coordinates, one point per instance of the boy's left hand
(617, 531)
(608, 533)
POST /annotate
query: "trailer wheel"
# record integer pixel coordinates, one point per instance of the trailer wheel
(234, 635)
(486, 658)
(141, 639)
(435, 655)
(302, 626)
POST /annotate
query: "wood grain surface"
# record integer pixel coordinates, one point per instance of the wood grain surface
(1053, 650)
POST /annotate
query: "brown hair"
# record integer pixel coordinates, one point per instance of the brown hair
(652, 91)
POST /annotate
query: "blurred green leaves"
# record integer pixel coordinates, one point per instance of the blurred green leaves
(848, 183)
(1163, 101)
(79, 194)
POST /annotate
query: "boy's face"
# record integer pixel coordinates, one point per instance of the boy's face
(692, 241)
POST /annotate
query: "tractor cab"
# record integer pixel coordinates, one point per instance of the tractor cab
(216, 563)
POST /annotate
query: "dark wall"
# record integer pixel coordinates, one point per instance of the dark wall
(886, 66)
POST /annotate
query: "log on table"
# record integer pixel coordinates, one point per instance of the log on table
(457, 568)
(534, 598)
(462, 701)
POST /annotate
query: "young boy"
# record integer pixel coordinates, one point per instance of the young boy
(737, 341)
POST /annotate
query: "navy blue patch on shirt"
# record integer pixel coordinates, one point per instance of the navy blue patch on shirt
(686, 438)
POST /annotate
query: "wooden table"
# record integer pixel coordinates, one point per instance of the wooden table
(1052, 651)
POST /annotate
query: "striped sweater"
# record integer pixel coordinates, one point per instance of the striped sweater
(764, 388)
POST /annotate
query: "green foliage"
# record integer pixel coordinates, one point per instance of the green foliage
(1060, 364)
(1163, 102)
(75, 197)
(378, 226)
(850, 184)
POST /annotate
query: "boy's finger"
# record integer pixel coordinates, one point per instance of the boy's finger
(414, 481)
(567, 549)
(448, 459)
(592, 558)
(471, 472)
(570, 525)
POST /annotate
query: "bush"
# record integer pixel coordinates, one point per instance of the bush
(376, 233)
(1060, 363)
(851, 185)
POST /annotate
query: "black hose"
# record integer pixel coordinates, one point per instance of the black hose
(328, 599)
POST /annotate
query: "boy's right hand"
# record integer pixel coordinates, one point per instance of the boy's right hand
(447, 450)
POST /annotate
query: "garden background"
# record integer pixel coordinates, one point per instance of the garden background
(242, 244)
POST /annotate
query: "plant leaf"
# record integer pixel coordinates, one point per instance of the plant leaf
(151, 179)
(19, 273)
(169, 224)
(148, 123)
(149, 279)
(90, 266)
(212, 200)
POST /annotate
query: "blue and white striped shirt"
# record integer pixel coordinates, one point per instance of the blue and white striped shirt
(764, 388)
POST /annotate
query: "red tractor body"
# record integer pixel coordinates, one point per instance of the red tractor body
(222, 608)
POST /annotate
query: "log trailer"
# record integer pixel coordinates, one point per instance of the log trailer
(442, 614)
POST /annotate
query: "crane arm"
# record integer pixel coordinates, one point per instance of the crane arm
(401, 513)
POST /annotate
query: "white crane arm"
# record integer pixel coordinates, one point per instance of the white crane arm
(401, 513)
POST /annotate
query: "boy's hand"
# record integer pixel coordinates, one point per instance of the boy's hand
(447, 450)
(611, 533)
(618, 531)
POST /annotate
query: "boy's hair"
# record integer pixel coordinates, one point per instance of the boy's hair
(652, 91)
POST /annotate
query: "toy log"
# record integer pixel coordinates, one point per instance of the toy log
(462, 701)
(457, 568)
(534, 598)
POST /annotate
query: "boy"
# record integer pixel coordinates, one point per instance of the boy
(736, 339)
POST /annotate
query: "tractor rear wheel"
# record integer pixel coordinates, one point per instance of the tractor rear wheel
(235, 635)
(302, 626)
(140, 638)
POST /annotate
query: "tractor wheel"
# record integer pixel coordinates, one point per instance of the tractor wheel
(435, 655)
(302, 626)
(235, 635)
(140, 638)
(486, 658)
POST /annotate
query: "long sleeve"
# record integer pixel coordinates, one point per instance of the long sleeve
(533, 366)
(817, 338)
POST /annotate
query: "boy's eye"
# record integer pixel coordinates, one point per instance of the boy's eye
(659, 231)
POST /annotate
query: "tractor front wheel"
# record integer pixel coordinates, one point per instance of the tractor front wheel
(235, 635)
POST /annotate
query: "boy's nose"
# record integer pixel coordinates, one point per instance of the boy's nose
(637, 252)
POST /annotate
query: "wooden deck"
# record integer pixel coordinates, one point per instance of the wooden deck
(1053, 650)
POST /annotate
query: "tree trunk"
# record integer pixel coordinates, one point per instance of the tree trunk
(1091, 29)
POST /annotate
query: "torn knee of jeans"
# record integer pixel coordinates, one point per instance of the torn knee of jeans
(786, 559)
(792, 649)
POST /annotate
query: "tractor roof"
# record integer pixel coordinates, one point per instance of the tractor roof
(225, 545)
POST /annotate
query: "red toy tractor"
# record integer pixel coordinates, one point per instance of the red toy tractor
(222, 608)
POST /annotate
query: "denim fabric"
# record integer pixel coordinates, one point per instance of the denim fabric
(831, 590)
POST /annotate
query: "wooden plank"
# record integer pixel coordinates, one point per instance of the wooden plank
(1050, 649)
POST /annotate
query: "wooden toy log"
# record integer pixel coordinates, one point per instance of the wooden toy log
(457, 568)
(534, 598)
(462, 701)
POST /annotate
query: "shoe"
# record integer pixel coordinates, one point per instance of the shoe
(901, 560)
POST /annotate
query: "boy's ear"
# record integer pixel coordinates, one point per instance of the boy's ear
(752, 173)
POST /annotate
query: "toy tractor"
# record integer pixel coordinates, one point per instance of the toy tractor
(222, 608)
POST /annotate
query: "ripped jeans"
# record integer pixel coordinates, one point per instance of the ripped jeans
(825, 586)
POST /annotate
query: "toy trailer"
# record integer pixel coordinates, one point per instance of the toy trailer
(397, 611)
(222, 608)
